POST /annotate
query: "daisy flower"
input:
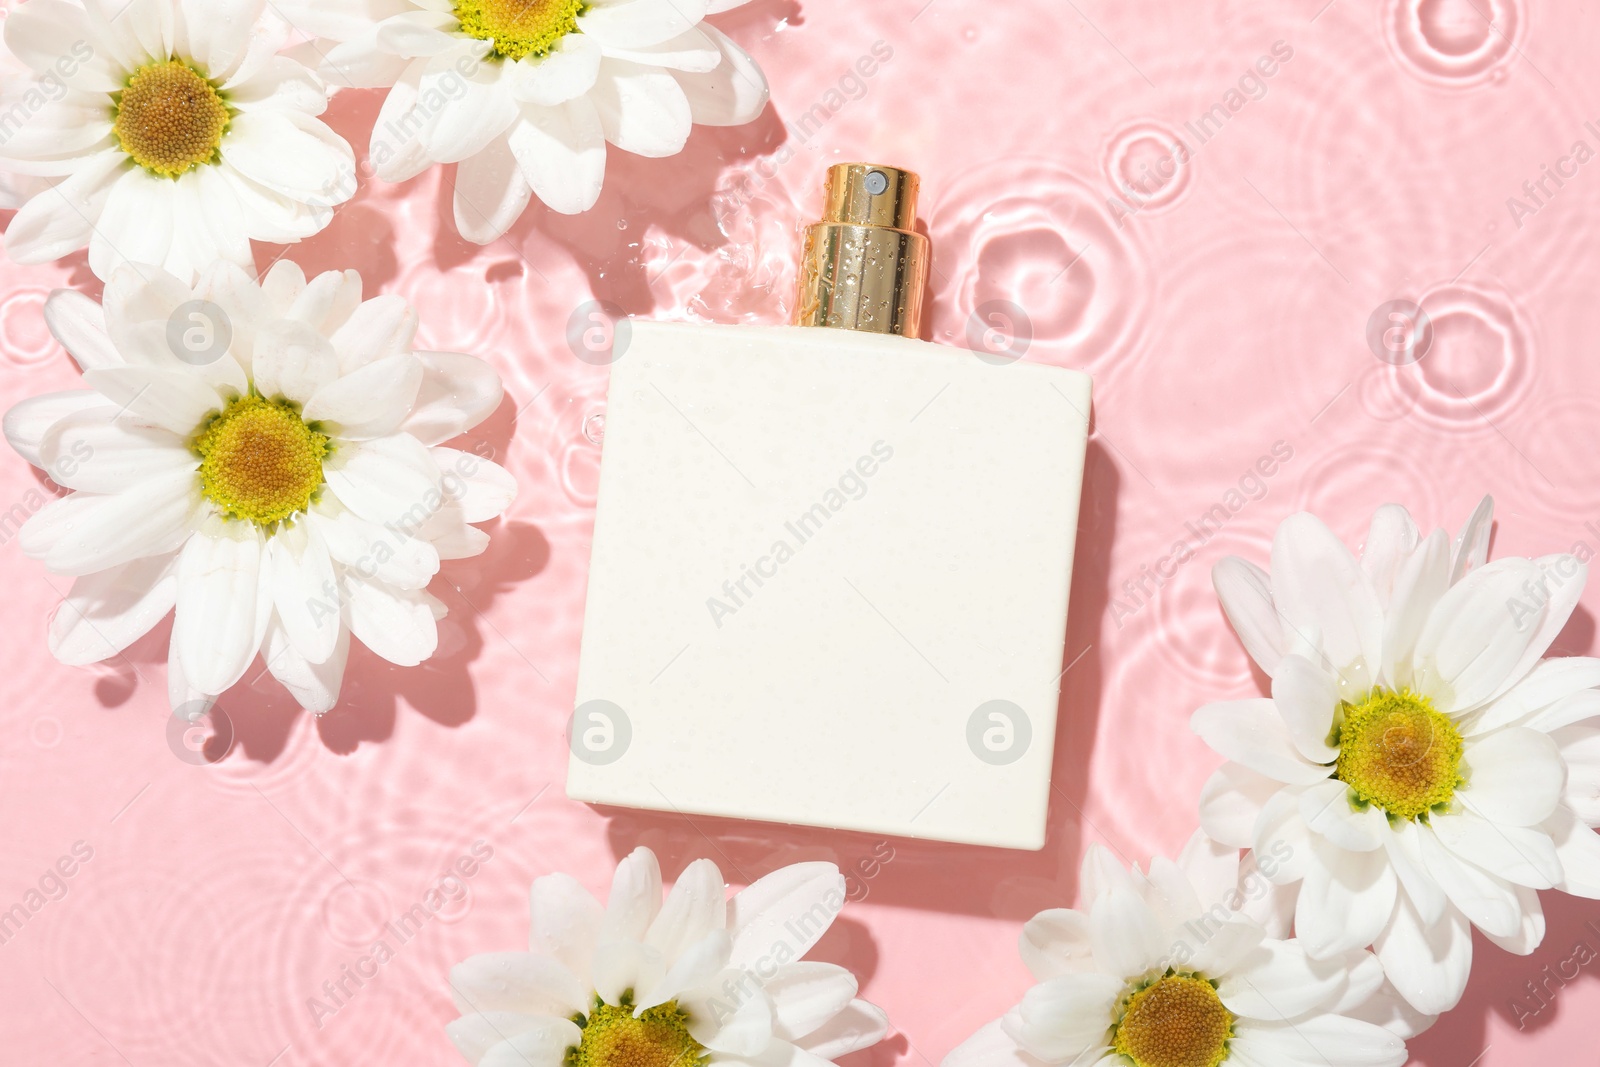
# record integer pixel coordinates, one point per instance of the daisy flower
(168, 132)
(524, 94)
(1429, 768)
(263, 458)
(638, 983)
(1162, 969)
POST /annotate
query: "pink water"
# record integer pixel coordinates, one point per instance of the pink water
(1222, 310)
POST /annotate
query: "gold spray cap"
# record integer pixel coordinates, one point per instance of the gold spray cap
(864, 267)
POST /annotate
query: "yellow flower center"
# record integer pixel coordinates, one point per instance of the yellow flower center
(1176, 1021)
(260, 461)
(612, 1037)
(519, 28)
(1399, 753)
(170, 119)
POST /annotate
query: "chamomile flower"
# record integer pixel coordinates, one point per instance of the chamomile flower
(641, 983)
(1431, 771)
(1163, 969)
(525, 94)
(264, 460)
(168, 132)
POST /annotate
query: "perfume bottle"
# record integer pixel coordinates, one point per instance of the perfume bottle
(831, 561)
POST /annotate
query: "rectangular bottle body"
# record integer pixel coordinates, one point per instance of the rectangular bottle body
(829, 582)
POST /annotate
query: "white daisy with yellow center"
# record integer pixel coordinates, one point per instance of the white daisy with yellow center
(169, 132)
(699, 979)
(1431, 771)
(1163, 969)
(525, 94)
(282, 485)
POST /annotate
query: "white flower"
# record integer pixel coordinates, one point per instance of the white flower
(267, 462)
(168, 132)
(524, 94)
(638, 983)
(1426, 766)
(1163, 969)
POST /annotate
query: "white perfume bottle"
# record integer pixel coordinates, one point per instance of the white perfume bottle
(831, 561)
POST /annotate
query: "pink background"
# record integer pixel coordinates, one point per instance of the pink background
(1226, 315)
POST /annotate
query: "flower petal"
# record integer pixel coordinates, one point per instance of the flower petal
(401, 625)
(1471, 643)
(642, 110)
(1579, 849)
(1472, 544)
(1063, 1018)
(545, 1046)
(1427, 962)
(1320, 1041)
(1549, 682)
(294, 361)
(1424, 577)
(566, 922)
(1253, 733)
(1127, 938)
(696, 906)
(792, 906)
(1345, 900)
(173, 399)
(991, 1046)
(545, 1040)
(1278, 981)
(730, 94)
(305, 592)
(635, 897)
(860, 1025)
(561, 152)
(220, 618)
(389, 480)
(85, 533)
(1246, 595)
(481, 488)
(380, 327)
(1514, 776)
(94, 451)
(519, 982)
(1404, 845)
(1329, 809)
(1530, 928)
(79, 324)
(374, 552)
(60, 220)
(1524, 855)
(1489, 902)
(457, 393)
(54, 37)
(491, 192)
(315, 686)
(1322, 593)
(1308, 699)
(111, 609)
(27, 423)
(1056, 942)
(1391, 538)
(640, 23)
(369, 402)
(566, 73)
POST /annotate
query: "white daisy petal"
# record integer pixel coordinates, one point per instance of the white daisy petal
(94, 451)
(1579, 849)
(1423, 578)
(1211, 867)
(642, 110)
(730, 94)
(1056, 942)
(792, 906)
(398, 148)
(416, 33)
(1514, 776)
(53, 37)
(474, 1036)
(80, 325)
(220, 573)
(1280, 829)
(107, 611)
(1521, 854)
(1126, 936)
(1530, 929)
(545, 1046)
(860, 1025)
(305, 592)
(519, 982)
(187, 702)
(1100, 874)
(1427, 962)
(1489, 902)
(385, 326)
(1278, 981)
(60, 220)
(1252, 732)
(369, 402)
(620, 966)
(640, 23)
(481, 488)
(1573, 709)
(85, 533)
(1391, 538)
(692, 50)
(457, 393)
(696, 907)
(1308, 699)
(566, 922)
(1549, 682)
(1561, 579)
(1470, 644)
(137, 223)
(360, 64)
(806, 994)
(745, 1032)
(475, 109)
(991, 1046)
(315, 686)
(293, 361)
(1246, 595)
(1472, 544)
(561, 152)
(1320, 1041)
(566, 73)
(1345, 900)
(1329, 809)
(1063, 1018)
(29, 420)
(389, 480)
(695, 967)
(401, 625)
(448, 531)
(491, 192)
(327, 301)
(1404, 846)
(291, 154)
(172, 399)
(635, 897)
(374, 552)
(1580, 750)
(1319, 588)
